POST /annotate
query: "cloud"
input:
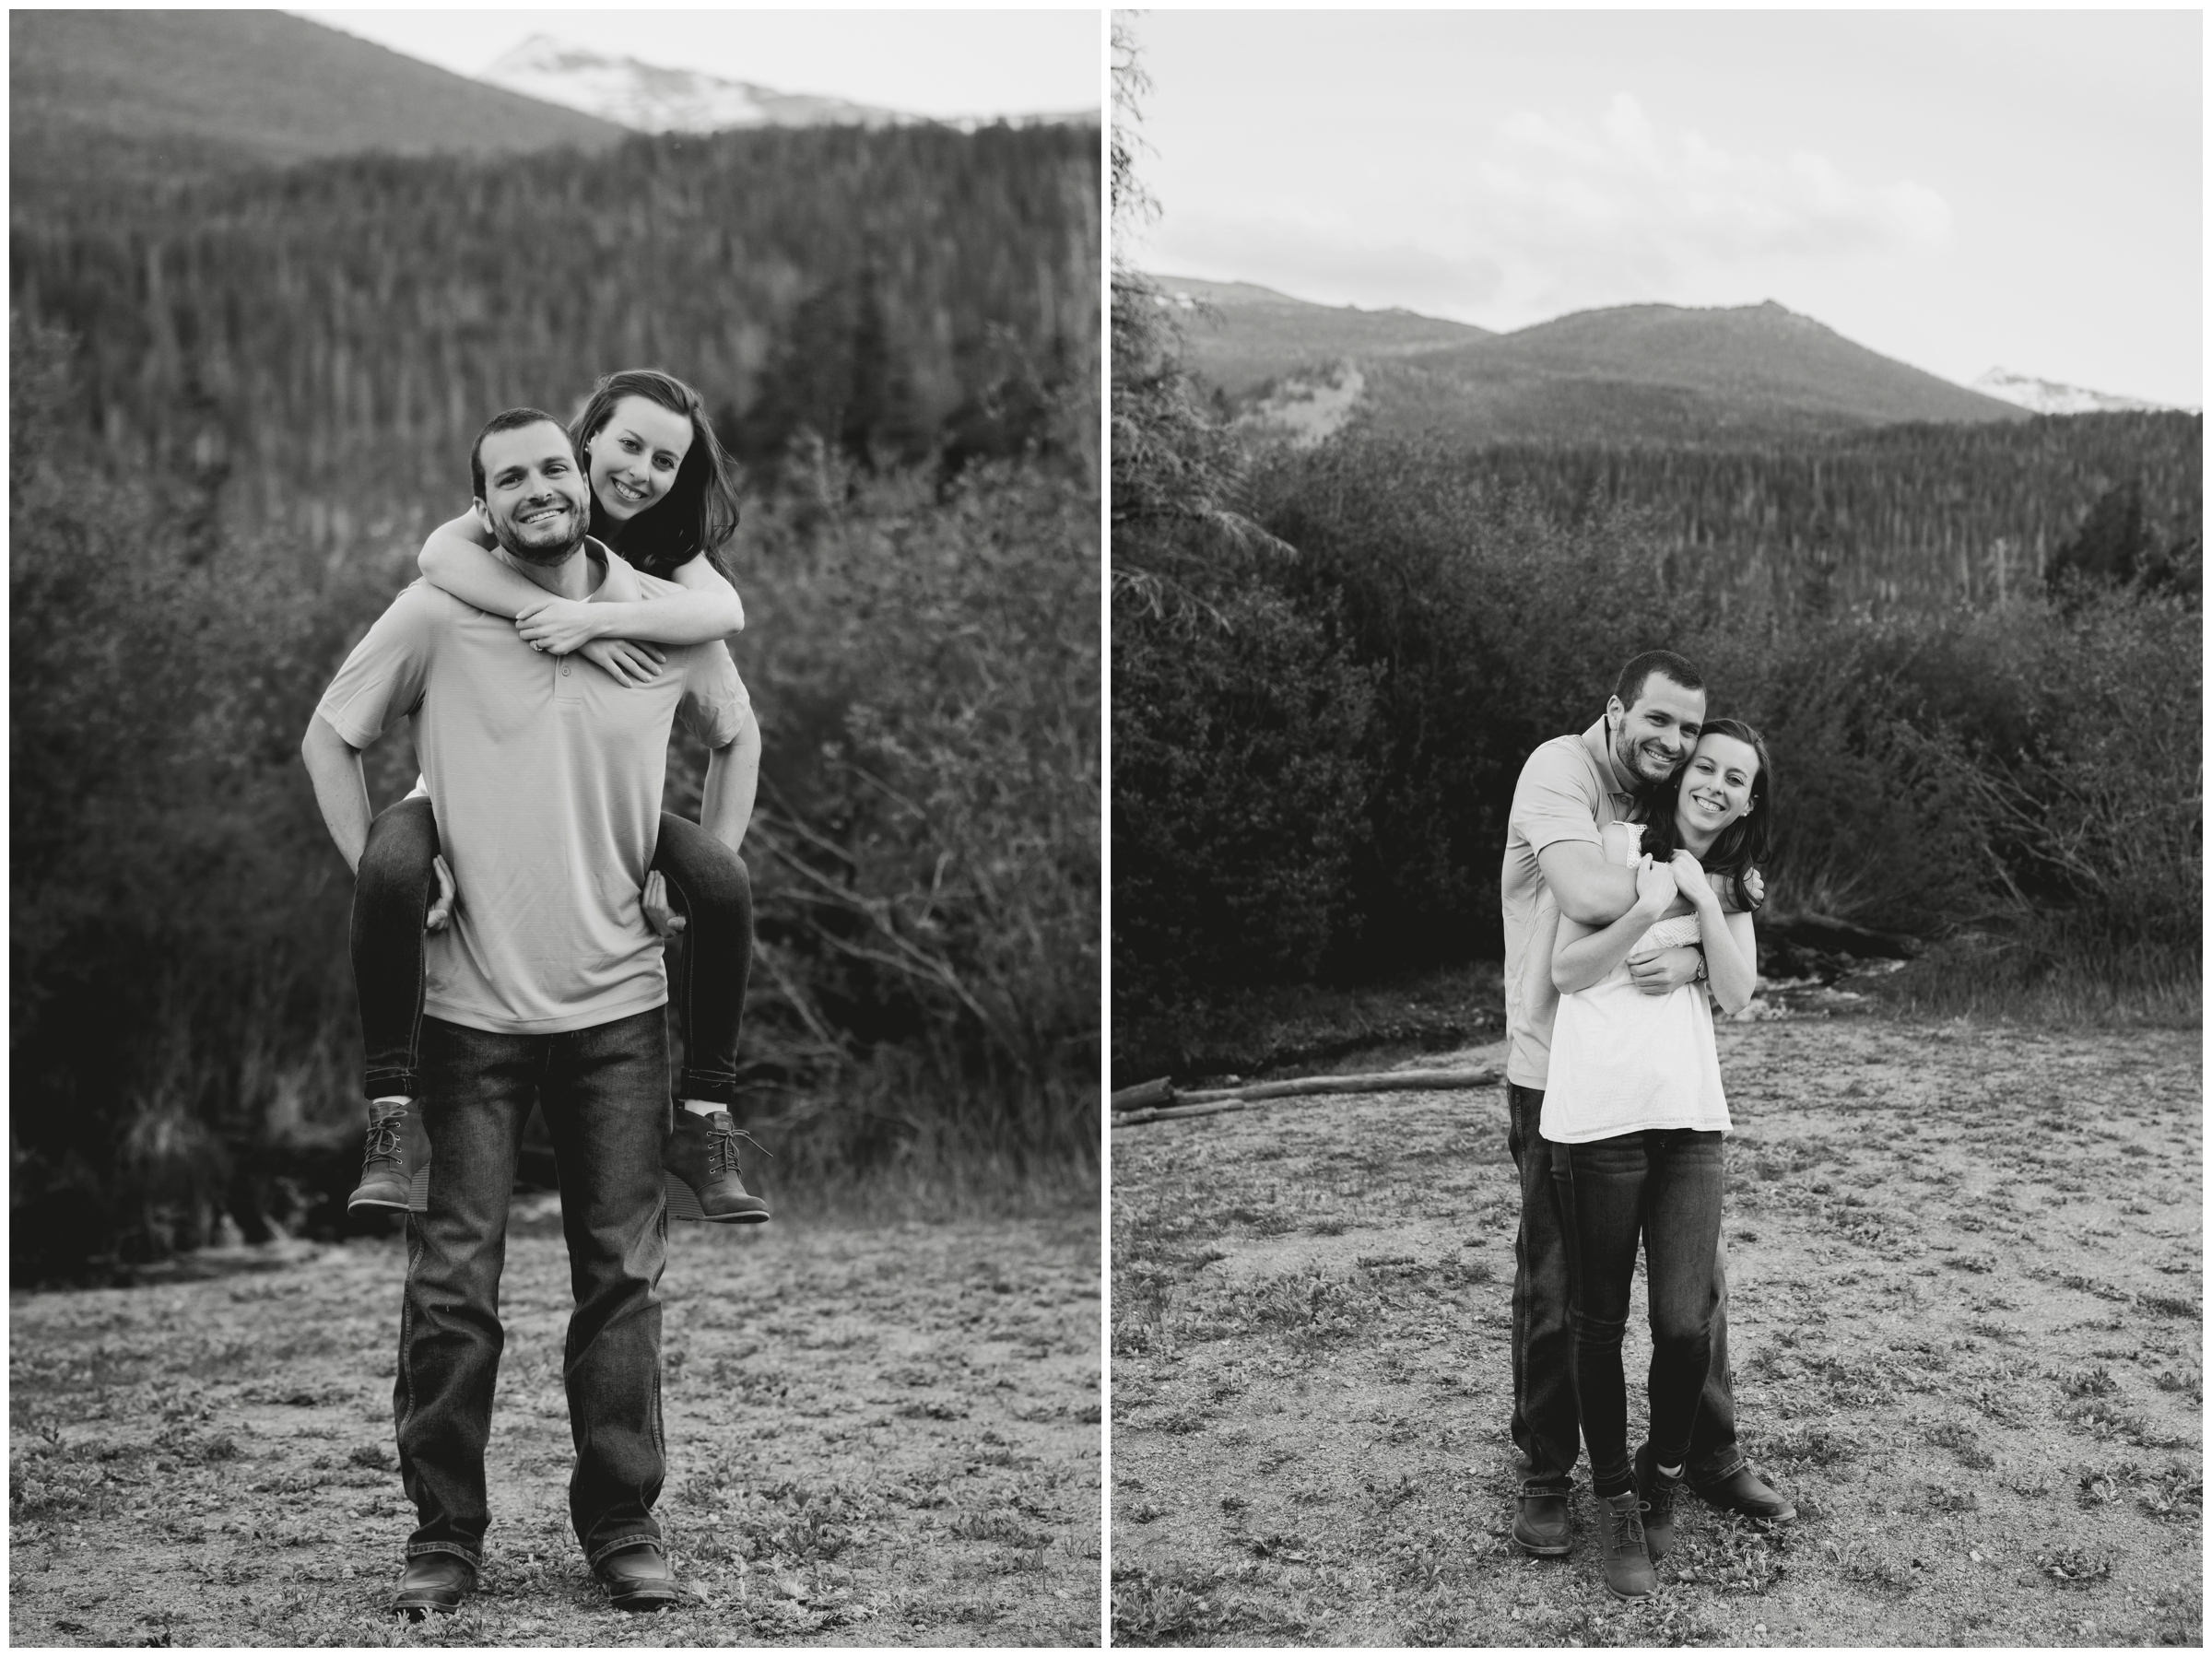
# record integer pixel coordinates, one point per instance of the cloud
(1550, 211)
(1571, 207)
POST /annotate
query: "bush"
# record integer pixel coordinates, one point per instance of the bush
(177, 957)
(927, 850)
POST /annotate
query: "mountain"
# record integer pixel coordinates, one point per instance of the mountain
(1665, 373)
(649, 99)
(1241, 336)
(101, 97)
(1630, 373)
(2048, 396)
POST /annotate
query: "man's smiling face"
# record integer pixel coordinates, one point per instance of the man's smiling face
(534, 502)
(1655, 735)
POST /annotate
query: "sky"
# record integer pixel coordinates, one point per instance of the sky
(1956, 190)
(921, 63)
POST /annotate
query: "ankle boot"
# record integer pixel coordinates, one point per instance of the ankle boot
(1627, 1565)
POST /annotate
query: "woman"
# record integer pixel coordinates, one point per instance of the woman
(662, 498)
(1635, 1112)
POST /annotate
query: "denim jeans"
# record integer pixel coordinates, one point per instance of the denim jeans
(1546, 1423)
(605, 1094)
(1661, 1187)
(709, 963)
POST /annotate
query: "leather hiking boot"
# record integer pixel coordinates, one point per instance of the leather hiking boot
(1658, 1492)
(704, 1182)
(636, 1578)
(433, 1583)
(384, 1174)
(1627, 1565)
(1744, 1492)
(1540, 1522)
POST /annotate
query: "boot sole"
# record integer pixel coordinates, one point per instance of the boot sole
(1729, 1507)
(1548, 1550)
(683, 1204)
(376, 1205)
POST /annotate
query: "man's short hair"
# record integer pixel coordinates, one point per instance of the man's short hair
(507, 419)
(1664, 663)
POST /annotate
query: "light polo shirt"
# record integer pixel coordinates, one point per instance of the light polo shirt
(545, 776)
(1569, 789)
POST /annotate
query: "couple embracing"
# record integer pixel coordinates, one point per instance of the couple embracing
(1629, 882)
(509, 921)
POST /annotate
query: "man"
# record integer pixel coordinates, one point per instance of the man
(547, 987)
(1568, 790)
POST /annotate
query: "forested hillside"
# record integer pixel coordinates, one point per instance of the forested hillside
(154, 96)
(1911, 517)
(321, 345)
(1242, 335)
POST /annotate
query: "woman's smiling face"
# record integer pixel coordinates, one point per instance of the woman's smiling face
(635, 455)
(1716, 787)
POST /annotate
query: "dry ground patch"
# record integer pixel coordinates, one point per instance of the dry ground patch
(881, 1435)
(1965, 1319)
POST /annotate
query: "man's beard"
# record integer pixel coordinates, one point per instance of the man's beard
(544, 557)
(1630, 763)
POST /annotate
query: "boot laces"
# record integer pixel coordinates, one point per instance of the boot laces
(1628, 1526)
(722, 1149)
(383, 1138)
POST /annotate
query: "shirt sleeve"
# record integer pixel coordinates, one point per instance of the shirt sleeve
(382, 678)
(715, 705)
(1553, 801)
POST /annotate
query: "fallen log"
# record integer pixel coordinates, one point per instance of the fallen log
(1129, 1119)
(1160, 1090)
(1208, 1101)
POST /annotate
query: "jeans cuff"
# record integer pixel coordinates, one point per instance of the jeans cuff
(1563, 1485)
(458, 1549)
(1724, 1462)
(719, 1089)
(390, 1084)
(642, 1539)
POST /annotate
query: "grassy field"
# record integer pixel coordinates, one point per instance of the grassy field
(879, 1435)
(1966, 1319)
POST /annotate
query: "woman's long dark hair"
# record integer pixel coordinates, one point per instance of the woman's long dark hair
(699, 513)
(1745, 844)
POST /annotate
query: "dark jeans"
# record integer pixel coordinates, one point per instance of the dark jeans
(605, 1094)
(707, 963)
(1662, 1187)
(1546, 1424)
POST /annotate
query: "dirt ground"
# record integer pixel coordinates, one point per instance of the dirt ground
(884, 1436)
(1965, 1317)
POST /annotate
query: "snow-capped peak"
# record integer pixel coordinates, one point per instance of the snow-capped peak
(2048, 396)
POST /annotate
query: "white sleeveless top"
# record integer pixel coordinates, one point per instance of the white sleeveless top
(1622, 1061)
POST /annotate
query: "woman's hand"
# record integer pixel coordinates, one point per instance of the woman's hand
(557, 625)
(442, 906)
(627, 661)
(1689, 877)
(1655, 884)
(664, 922)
